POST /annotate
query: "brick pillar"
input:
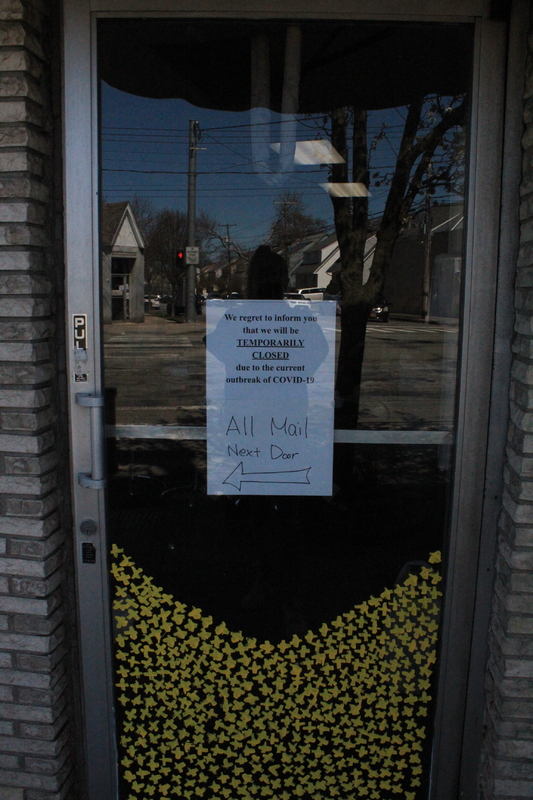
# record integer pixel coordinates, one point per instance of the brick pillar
(36, 752)
(508, 758)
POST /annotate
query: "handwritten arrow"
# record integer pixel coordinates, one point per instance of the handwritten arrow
(238, 476)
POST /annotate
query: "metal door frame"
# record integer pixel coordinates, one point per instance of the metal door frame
(81, 184)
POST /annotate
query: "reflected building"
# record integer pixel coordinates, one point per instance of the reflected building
(418, 256)
(428, 252)
(122, 264)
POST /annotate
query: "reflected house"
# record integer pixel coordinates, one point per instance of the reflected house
(312, 261)
(233, 276)
(318, 261)
(122, 264)
(225, 278)
(309, 258)
(438, 257)
(315, 261)
(209, 277)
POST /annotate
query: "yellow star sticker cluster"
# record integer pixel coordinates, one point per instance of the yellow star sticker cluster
(339, 712)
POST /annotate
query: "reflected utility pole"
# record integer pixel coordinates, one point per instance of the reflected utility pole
(227, 242)
(428, 224)
(427, 259)
(191, 260)
(285, 203)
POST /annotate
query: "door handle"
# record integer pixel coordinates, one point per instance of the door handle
(94, 480)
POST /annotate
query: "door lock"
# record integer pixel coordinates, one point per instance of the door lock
(88, 527)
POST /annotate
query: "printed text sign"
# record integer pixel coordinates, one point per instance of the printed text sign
(270, 367)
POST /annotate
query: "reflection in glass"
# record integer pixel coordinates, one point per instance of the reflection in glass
(384, 239)
(340, 146)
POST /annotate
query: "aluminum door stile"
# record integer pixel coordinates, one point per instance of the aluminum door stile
(499, 413)
(82, 258)
(484, 161)
(82, 267)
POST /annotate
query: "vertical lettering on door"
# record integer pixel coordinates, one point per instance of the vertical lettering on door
(79, 322)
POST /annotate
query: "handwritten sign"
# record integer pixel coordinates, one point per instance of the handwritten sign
(270, 370)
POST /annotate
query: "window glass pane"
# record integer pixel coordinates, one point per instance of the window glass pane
(281, 646)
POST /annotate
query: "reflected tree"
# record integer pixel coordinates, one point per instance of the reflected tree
(293, 223)
(145, 216)
(144, 212)
(429, 159)
(166, 238)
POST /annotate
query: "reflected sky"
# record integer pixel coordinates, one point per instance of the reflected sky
(145, 152)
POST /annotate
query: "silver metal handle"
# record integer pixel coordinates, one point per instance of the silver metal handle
(94, 480)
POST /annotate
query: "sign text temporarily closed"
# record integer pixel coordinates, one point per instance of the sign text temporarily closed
(270, 368)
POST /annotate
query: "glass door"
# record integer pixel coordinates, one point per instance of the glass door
(237, 645)
(272, 646)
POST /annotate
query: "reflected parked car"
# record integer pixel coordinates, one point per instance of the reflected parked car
(380, 313)
(312, 293)
(337, 299)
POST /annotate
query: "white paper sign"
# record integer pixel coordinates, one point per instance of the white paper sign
(270, 371)
(192, 255)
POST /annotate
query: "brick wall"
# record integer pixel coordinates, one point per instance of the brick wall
(508, 758)
(35, 671)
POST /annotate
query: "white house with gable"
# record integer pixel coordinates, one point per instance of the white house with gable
(122, 264)
(320, 261)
